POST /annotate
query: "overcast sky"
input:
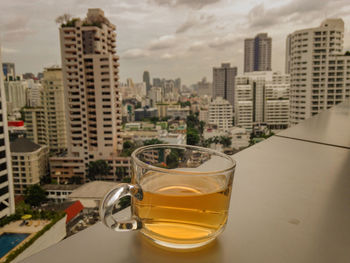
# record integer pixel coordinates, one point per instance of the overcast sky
(169, 38)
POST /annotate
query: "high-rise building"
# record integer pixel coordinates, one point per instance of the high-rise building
(220, 113)
(33, 93)
(204, 88)
(9, 71)
(257, 53)
(46, 125)
(29, 163)
(93, 107)
(262, 98)
(320, 76)
(7, 204)
(224, 82)
(15, 94)
(157, 82)
(147, 80)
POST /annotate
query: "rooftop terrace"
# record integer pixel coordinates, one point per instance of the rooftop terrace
(290, 203)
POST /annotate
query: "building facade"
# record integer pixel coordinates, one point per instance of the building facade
(15, 95)
(147, 80)
(29, 164)
(257, 53)
(320, 73)
(93, 106)
(220, 113)
(33, 94)
(224, 82)
(9, 71)
(262, 97)
(46, 125)
(7, 204)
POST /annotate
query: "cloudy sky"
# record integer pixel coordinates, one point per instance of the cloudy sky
(169, 38)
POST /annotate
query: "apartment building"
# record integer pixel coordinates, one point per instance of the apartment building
(220, 113)
(93, 106)
(320, 72)
(262, 98)
(7, 204)
(29, 163)
(224, 82)
(15, 95)
(46, 125)
(257, 53)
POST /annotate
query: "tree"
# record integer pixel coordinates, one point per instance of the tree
(63, 19)
(154, 120)
(225, 141)
(75, 180)
(128, 148)
(172, 160)
(138, 105)
(201, 127)
(98, 169)
(35, 195)
(120, 173)
(192, 121)
(192, 136)
(152, 141)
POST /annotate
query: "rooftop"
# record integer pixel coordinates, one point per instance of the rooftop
(23, 145)
(93, 190)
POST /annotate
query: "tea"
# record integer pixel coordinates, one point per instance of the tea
(183, 208)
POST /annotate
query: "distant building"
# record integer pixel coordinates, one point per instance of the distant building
(145, 113)
(15, 94)
(257, 53)
(262, 97)
(29, 163)
(157, 82)
(178, 112)
(9, 71)
(46, 125)
(146, 79)
(204, 115)
(28, 75)
(220, 114)
(224, 82)
(33, 94)
(320, 76)
(7, 204)
(204, 88)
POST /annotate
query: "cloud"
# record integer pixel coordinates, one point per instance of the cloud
(163, 42)
(135, 53)
(16, 29)
(197, 46)
(195, 21)
(194, 4)
(294, 11)
(225, 41)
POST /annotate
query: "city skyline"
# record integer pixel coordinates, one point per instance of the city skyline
(174, 38)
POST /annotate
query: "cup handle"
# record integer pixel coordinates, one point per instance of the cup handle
(111, 202)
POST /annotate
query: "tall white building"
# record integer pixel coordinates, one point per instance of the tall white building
(7, 204)
(257, 53)
(33, 93)
(16, 94)
(220, 113)
(224, 82)
(320, 75)
(93, 106)
(262, 98)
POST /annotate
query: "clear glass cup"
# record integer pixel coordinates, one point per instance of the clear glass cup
(180, 195)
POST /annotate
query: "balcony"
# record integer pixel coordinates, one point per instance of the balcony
(290, 203)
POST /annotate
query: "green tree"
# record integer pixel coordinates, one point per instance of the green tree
(225, 141)
(192, 136)
(138, 105)
(192, 121)
(172, 160)
(201, 127)
(152, 141)
(128, 148)
(120, 173)
(75, 180)
(98, 169)
(35, 195)
(154, 120)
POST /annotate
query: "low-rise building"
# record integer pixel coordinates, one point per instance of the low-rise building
(178, 112)
(59, 193)
(220, 114)
(29, 163)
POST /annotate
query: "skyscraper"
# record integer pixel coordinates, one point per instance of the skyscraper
(146, 79)
(320, 76)
(224, 82)
(257, 53)
(93, 107)
(262, 98)
(7, 204)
